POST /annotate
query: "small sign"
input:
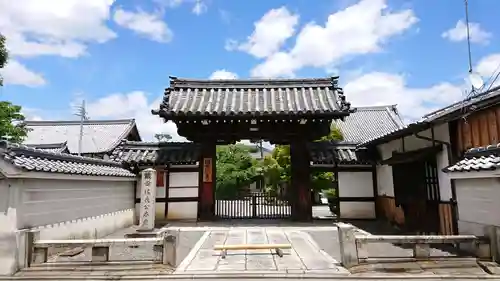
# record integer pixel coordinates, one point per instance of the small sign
(207, 169)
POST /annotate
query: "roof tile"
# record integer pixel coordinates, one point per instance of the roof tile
(369, 122)
(31, 159)
(334, 153)
(148, 153)
(252, 97)
(478, 159)
(98, 135)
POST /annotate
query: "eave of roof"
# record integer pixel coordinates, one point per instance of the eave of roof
(31, 159)
(253, 98)
(409, 130)
(455, 110)
(155, 153)
(339, 153)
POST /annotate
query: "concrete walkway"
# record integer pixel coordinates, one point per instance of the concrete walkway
(305, 255)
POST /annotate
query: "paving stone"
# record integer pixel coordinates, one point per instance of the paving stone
(310, 256)
(290, 259)
(235, 259)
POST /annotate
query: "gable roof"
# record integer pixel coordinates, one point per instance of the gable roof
(154, 153)
(98, 135)
(31, 159)
(369, 122)
(252, 97)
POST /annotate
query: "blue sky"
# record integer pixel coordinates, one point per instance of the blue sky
(117, 55)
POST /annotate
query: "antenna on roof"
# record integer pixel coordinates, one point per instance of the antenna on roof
(82, 113)
(474, 78)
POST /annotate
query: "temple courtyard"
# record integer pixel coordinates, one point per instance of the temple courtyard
(315, 252)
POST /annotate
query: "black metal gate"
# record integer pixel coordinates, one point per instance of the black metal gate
(254, 205)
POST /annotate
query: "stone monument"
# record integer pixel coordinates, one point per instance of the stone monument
(147, 206)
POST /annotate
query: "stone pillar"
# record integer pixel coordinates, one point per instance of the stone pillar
(148, 200)
(347, 242)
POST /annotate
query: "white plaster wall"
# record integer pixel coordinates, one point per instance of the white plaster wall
(59, 209)
(8, 226)
(355, 184)
(477, 204)
(47, 202)
(352, 185)
(182, 185)
(183, 179)
(384, 172)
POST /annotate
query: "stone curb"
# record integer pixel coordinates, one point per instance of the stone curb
(253, 276)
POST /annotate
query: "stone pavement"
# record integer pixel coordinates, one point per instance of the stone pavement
(305, 255)
(315, 254)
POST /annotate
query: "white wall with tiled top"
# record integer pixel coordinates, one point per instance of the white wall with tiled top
(385, 183)
(61, 209)
(478, 204)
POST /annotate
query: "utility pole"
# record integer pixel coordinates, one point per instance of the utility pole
(82, 113)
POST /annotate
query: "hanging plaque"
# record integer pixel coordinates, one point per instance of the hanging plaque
(207, 170)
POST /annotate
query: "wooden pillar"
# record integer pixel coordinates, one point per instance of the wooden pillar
(300, 181)
(206, 205)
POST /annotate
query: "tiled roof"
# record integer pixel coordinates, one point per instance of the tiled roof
(98, 136)
(398, 133)
(149, 153)
(253, 97)
(473, 101)
(369, 122)
(31, 159)
(331, 153)
(51, 147)
(478, 159)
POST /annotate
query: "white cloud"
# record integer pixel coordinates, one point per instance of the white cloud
(150, 25)
(199, 7)
(15, 73)
(270, 33)
(356, 30)
(223, 74)
(134, 105)
(488, 67)
(54, 27)
(380, 88)
(459, 33)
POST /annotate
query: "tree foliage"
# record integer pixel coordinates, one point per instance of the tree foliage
(163, 137)
(280, 161)
(4, 55)
(12, 126)
(236, 169)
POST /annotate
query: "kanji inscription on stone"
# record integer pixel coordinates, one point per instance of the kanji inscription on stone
(148, 199)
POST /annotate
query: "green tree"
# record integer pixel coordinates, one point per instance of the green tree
(281, 155)
(236, 169)
(12, 126)
(163, 137)
(4, 56)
